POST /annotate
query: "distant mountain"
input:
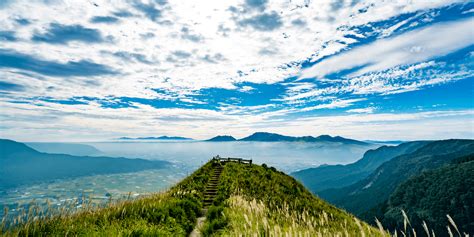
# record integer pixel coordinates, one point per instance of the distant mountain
(20, 164)
(268, 137)
(64, 148)
(379, 185)
(224, 138)
(430, 196)
(337, 176)
(155, 138)
(274, 137)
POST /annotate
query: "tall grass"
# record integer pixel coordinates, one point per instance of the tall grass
(250, 218)
(252, 201)
(259, 200)
(172, 213)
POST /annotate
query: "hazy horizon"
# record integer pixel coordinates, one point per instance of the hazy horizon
(134, 140)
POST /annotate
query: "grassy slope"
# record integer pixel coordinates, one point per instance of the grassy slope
(260, 200)
(251, 199)
(168, 214)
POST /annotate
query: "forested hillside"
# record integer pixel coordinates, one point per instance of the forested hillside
(378, 186)
(431, 196)
(337, 176)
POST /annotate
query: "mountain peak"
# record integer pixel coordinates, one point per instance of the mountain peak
(222, 138)
(274, 137)
(267, 137)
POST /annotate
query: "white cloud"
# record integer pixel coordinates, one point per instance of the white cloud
(408, 48)
(239, 49)
(28, 122)
(334, 104)
(367, 110)
(215, 52)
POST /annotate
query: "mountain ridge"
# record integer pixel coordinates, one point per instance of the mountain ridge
(429, 196)
(332, 176)
(76, 149)
(222, 138)
(22, 165)
(376, 188)
(275, 137)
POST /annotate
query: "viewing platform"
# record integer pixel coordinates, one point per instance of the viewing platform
(231, 159)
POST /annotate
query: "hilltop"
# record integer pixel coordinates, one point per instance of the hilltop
(223, 138)
(250, 199)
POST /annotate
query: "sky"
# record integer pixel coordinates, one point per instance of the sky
(97, 70)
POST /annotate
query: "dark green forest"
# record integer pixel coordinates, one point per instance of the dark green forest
(431, 196)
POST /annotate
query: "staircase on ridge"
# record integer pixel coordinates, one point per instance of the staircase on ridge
(211, 190)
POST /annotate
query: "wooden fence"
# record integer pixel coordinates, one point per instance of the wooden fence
(231, 159)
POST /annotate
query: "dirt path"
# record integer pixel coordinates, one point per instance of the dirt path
(209, 196)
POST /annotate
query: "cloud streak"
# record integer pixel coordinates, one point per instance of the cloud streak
(411, 47)
(63, 34)
(11, 59)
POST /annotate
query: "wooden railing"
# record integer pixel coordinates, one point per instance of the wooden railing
(231, 159)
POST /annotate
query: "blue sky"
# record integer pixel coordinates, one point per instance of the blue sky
(98, 70)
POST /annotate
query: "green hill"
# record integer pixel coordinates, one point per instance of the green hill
(337, 176)
(378, 186)
(431, 196)
(250, 199)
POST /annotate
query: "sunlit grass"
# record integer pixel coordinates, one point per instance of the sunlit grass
(171, 213)
(254, 217)
(252, 200)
